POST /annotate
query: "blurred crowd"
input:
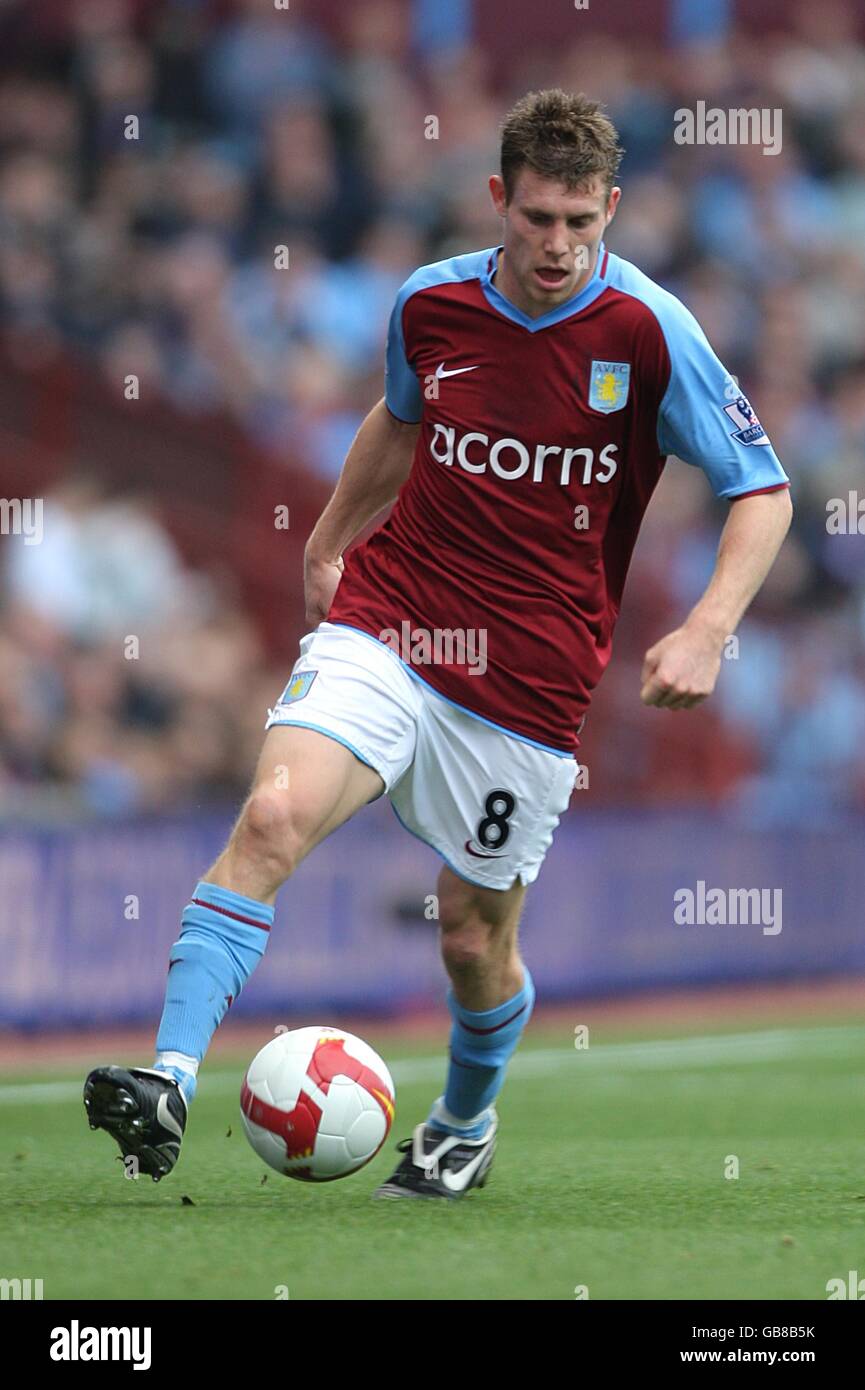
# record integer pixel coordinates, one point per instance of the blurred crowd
(258, 129)
(127, 681)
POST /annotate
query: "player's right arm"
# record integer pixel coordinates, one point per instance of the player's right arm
(705, 420)
(375, 468)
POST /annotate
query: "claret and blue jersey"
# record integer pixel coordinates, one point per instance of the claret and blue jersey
(541, 442)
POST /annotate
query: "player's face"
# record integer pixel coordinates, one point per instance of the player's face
(551, 237)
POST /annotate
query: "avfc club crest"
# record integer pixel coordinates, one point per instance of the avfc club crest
(609, 383)
(298, 686)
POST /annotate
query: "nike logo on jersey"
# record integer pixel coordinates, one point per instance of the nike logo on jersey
(453, 371)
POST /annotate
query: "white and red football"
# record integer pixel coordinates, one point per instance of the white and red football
(317, 1103)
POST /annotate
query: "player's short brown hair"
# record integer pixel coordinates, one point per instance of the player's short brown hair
(561, 135)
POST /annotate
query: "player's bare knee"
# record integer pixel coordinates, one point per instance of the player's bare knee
(467, 945)
(463, 904)
(268, 831)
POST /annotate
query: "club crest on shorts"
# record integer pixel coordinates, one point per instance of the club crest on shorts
(609, 384)
(298, 686)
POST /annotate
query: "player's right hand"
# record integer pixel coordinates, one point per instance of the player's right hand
(681, 670)
(320, 580)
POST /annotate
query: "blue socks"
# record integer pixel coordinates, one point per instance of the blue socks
(481, 1046)
(222, 939)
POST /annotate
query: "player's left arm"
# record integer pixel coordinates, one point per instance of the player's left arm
(681, 669)
(705, 419)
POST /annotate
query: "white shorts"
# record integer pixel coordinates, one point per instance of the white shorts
(486, 800)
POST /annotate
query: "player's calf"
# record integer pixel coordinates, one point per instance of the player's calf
(490, 1000)
(478, 938)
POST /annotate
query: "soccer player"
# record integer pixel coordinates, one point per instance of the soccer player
(533, 391)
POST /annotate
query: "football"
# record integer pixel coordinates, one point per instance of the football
(317, 1103)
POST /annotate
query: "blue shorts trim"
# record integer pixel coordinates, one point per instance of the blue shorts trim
(472, 714)
(328, 733)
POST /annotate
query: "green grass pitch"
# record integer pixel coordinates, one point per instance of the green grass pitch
(610, 1174)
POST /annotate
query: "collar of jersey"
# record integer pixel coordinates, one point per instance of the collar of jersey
(581, 300)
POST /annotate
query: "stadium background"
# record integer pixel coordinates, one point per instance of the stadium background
(119, 773)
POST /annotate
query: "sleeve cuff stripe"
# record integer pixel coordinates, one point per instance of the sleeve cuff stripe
(755, 492)
(399, 417)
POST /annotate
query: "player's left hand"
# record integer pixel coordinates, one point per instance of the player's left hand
(681, 669)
